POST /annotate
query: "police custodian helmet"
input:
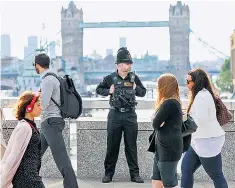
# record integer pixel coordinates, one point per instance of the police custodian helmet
(123, 56)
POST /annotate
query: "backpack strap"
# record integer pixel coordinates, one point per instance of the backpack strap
(50, 74)
(53, 74)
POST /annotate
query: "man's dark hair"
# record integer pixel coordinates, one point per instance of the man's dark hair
(43, 60)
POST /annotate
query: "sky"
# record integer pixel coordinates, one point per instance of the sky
(212, 21)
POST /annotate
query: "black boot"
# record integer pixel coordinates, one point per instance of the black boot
(137, 179)
(106, 179)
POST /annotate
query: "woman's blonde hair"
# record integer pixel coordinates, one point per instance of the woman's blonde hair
(167, 88)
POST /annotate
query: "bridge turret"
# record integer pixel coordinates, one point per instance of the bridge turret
(179, 20)
(171, 11)
(72, 39)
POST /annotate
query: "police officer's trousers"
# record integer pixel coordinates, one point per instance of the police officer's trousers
(119, 122)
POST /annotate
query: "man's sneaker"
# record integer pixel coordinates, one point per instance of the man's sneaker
(106, 179)
(137, 179)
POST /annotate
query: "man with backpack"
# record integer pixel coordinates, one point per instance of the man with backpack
(122, 86)
(52, 122)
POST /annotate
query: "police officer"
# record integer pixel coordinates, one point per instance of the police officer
(122, 86)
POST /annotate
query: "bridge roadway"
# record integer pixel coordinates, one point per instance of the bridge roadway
(83, 25)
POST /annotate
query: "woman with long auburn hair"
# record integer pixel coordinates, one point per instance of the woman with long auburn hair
(209, 137)
(167, 123)
(167, 87)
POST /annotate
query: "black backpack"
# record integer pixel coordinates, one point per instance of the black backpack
(71, 101)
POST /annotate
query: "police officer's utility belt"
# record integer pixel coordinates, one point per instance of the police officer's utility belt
(129, 109)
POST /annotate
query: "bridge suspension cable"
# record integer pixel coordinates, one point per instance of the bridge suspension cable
(210, 48)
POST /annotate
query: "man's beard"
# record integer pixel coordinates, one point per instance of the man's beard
(37, 71)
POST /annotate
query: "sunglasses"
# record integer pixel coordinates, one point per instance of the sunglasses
(188, 81)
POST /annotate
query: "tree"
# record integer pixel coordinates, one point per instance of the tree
(224, 82)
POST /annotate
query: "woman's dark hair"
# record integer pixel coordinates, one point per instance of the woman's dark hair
(201, 81)
(23, 101)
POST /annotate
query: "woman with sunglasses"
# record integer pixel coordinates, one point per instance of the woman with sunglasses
(208, 140)
(21, 162)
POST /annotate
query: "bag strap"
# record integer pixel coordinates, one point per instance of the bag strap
(53, 74)
(33, 127)
(50, 74)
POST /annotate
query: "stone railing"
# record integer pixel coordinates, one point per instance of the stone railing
(91, 150)
(91, 144)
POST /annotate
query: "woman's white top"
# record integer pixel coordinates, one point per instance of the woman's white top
(209, 138)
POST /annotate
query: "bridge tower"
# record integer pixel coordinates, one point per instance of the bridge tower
(179, 24)
(72, 40)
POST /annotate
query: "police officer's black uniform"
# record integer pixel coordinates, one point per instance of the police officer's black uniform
(122, 118)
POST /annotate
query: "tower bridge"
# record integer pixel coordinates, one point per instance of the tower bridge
(73, 28)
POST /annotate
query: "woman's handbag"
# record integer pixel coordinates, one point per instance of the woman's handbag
(189, 126)
(222, 113)
(186, 142)
(152, 142)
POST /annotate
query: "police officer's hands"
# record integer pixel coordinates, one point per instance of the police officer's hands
(111, 90)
